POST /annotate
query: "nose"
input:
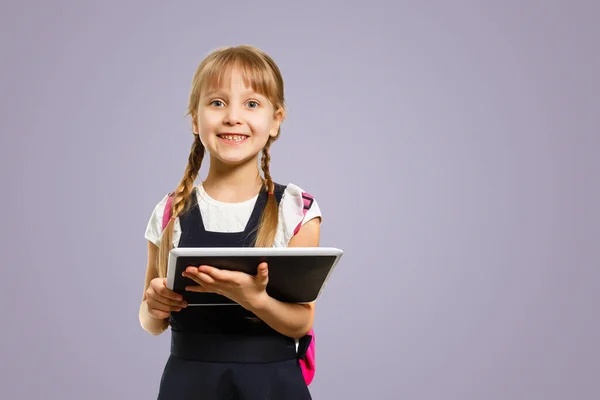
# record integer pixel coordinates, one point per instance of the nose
(232, 116)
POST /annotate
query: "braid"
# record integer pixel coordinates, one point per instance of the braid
(270, 215)
(180, 199)
(186, 185)
(264, 163)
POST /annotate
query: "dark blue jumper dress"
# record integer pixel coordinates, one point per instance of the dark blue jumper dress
(221, 352)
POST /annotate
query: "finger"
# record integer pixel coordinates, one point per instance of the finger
(157, 304)
(218, 274)
(262, 274)
(170, 297)
(156, 296)
(170, 302)
(193, 277)
(263, 269)
(205, 278)
(164, 291)
(191, 270)
(199, 277)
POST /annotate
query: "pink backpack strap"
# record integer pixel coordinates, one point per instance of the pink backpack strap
(306, 348)
(168, 211)
(307, 199)
(306, 352)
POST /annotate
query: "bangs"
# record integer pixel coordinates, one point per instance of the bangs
(255, 73)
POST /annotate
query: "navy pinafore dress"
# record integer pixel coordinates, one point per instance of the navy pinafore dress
(219, 352)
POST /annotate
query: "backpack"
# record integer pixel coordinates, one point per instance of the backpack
(306, 345)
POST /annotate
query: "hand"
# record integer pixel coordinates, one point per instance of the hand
(162, 300)
(246, 290)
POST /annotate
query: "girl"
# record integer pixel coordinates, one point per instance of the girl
(247, 351)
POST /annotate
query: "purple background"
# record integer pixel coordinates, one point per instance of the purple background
(453, 148)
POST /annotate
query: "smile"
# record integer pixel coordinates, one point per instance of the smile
(232, 137)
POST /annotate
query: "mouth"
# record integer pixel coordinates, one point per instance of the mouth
(232, 137)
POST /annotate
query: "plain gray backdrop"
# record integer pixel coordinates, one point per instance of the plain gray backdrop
(452, 146)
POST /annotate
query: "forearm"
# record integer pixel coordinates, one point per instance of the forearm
(292, 320)
(150, 323)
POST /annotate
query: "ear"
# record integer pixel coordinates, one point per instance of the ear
(195, 129)
(278, 119)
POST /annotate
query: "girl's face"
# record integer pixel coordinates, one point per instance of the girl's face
(234, 122)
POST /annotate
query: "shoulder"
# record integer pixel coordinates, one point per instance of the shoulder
(155, 223)
(300, 200)
(296, 208)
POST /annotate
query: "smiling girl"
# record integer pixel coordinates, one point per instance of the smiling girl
(246, 351)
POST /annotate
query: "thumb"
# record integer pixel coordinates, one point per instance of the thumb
(263, 272)
(164, 281)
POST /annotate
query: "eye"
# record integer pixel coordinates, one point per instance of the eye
(253, 104)
(216, 103)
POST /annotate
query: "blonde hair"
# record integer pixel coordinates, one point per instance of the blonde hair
(261, 74)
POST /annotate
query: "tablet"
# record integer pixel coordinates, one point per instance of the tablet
(296, 274)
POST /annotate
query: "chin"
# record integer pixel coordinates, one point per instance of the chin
(235, 159)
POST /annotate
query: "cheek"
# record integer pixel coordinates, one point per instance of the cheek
(262, 126)
(207, 124)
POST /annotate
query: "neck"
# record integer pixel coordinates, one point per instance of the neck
(233, 183)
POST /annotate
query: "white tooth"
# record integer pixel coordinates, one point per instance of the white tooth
(235, 138)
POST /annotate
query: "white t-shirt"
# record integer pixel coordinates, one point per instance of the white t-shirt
(233, 217)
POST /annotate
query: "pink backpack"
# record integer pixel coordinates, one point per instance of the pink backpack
(307, 343)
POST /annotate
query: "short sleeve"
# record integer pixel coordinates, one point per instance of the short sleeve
(291, 213)
(154, 227)
(313, 212)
